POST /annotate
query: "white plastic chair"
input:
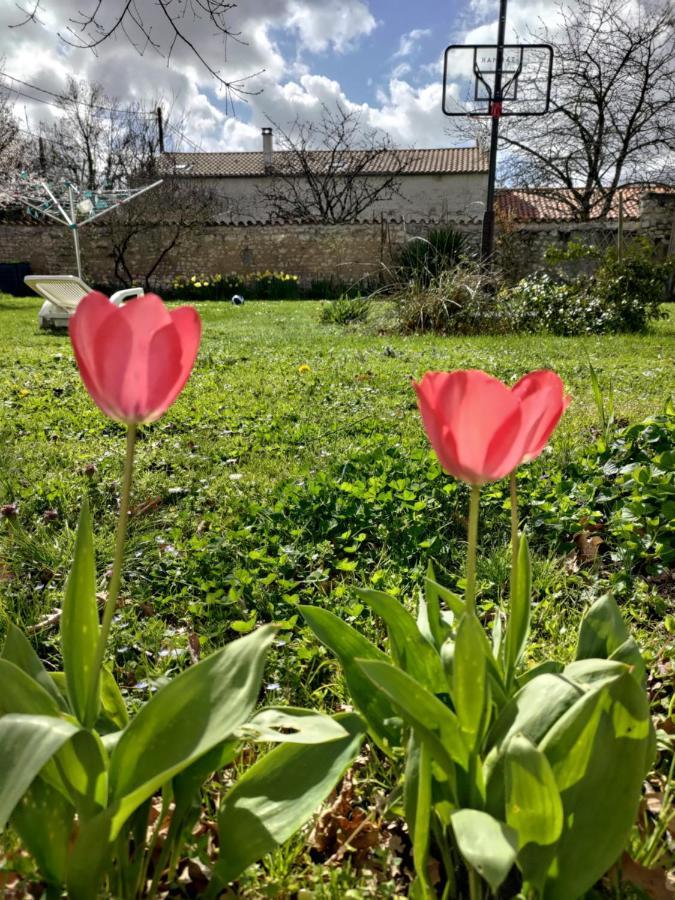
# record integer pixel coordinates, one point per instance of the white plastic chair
(62, 295)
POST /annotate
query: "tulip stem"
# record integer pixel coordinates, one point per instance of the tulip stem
(514, 531)
(470, 596)
(116, 575)
(475, 888)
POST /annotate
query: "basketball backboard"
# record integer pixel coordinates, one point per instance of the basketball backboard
(469, 79)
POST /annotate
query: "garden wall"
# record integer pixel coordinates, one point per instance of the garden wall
(522, 245)
(345, 252)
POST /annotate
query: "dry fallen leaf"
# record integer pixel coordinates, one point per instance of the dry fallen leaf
(588, 545)
(654, 882)
(194, 648)
(345, 828)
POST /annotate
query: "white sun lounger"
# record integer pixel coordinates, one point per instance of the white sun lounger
(62, 295)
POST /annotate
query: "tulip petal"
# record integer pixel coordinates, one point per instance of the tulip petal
(91, 314)
(164, 369)
(145, 315)
(440, 437)
(113, 346)
(472, 421)
(543, 401)
(505, 451)
(482, 416)
(188, 326)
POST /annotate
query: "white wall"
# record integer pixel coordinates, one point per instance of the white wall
(458, 198)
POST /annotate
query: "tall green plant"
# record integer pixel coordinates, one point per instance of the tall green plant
(530, 774)
(77, 775)
(423, 259)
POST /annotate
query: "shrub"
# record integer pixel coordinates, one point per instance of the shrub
(272, 285)
(423, 259)
(621, 295)
(345, 310)
(457, 301)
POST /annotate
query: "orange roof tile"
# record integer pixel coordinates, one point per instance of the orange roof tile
(548, 204)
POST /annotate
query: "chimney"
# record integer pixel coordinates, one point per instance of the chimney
(267, 147)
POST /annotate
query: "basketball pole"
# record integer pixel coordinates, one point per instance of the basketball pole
(487, 245)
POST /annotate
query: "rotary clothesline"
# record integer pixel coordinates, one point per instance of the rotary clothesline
(64, 202)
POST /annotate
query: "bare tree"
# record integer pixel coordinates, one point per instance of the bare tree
(613, 106)
(159, 25)
(332, 170)
(142, 234)
(9, 128)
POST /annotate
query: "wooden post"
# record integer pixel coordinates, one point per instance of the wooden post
(160, 129)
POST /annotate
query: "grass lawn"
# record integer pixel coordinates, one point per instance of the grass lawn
(292, 468)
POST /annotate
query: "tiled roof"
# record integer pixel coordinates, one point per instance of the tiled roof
(440, 161)
(548, 204)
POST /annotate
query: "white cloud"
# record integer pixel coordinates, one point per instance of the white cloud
(401, 70)
(410, 41)
(283, 37)
(322, 25)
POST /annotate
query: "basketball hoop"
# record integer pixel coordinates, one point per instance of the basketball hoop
(525, 88)
(497, 80)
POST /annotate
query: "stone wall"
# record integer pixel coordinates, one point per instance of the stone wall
(344, 252)
(522, 246)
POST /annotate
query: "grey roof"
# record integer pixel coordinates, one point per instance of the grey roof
(438, 161)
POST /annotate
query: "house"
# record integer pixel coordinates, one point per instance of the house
(435, 185)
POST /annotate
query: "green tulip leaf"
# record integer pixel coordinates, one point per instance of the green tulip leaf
(409, 649)
(489, 846)
(44, 820)
(18, 650)
(422, 825)
(534, 709)
(113, 707)
(594, 673)
(279, 793)
(432, 621)
(603, 634)
(26, 743)
(469, 676)
(200, 708)
(518, 626)
(435, 593)
(90, 854)
(617, 752)
(568, 744)
(82, 764)
(79, 626)
(547, 667)
(22, 694)
(533, 806)
(436, 724)
(348, 644)
(290, 725)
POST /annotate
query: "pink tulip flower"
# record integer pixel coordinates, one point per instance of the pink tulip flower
(134, 360)
(481, 429)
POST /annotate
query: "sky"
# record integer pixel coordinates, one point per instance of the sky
(380, 58)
